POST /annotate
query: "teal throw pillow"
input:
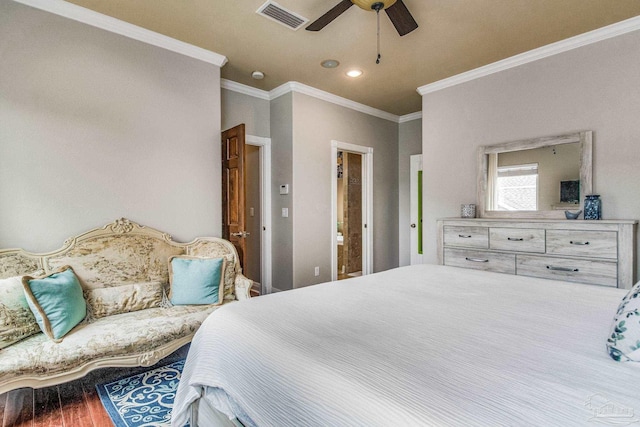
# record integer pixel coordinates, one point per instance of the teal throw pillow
(195, 280)
(56, 301)
(624, 342)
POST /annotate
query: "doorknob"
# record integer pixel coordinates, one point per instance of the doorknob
(240, 234)
(413, 226)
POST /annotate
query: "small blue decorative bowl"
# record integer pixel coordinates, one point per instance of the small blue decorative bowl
(572, 215)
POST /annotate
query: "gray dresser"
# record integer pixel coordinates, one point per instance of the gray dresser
(594, 252)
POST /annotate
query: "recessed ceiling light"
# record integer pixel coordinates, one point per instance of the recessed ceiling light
(258, 75)
(330, 63)
(354, 73)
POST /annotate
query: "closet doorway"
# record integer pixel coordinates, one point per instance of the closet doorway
(351, 210)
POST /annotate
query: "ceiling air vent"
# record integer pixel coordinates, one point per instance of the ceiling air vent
(275, 12)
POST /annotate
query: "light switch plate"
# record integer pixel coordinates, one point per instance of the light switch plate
(285, 212)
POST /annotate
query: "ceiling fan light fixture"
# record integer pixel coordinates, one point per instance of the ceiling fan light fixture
(354, 73)
(371, 4)
(396, 11)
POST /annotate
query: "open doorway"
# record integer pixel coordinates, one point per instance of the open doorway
(352, 172)
(259, 218)
(253, 213)
(416, 209)
(349, 212)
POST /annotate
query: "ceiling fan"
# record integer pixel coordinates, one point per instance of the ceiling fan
(396, 11)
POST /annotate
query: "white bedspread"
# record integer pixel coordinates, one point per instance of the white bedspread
(420, 345)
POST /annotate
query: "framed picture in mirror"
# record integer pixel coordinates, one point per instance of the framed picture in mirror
(570, 191)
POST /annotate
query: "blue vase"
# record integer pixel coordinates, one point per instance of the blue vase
(592, 207)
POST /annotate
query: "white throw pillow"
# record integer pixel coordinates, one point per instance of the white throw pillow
(16, 319)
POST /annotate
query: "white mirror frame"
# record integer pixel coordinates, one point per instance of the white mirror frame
(586, 168)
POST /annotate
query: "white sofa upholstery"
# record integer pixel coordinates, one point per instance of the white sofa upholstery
(117, 255)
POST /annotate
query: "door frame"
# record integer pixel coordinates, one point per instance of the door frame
(416, 165)
(367, 205)
(264, 145)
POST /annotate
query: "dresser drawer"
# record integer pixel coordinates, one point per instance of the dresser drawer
(593, 272)
(480, 260)
(467, 237)
(598, 244)
(517, 239)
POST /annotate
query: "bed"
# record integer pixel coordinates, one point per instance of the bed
(420, 345)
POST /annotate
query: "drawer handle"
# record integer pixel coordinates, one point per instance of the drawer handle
(572, 270)
(476, 259)
(515, 239)
(464, 236)
(578, 243)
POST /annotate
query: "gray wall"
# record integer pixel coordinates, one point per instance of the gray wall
(315, 124)
(282, 173)
(96, 126)
(239, 108)
(596, 87)
(409, 143)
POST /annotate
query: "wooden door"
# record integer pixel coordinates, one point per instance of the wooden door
(233, 190)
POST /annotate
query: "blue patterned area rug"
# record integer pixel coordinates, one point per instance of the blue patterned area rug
(142, 400)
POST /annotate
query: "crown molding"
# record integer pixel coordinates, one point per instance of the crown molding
(409, 117)
(244, 89)
(281, 90)
(113, 25)
(343, 102)
(316, 93)
(604, 33)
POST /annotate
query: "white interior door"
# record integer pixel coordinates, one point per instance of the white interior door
(415, 188)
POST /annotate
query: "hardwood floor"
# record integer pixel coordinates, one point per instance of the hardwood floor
(73, 404)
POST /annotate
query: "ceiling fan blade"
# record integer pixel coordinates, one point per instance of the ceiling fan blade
(401, 18)
(326, 19)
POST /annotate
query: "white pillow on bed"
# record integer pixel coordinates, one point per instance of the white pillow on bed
(624, 342)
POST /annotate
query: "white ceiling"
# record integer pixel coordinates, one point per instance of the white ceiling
(454, 36)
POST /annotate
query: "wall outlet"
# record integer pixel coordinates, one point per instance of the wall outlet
(285, 212)
(316, 271)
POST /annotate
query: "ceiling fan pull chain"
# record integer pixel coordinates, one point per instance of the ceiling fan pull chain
(378, 35)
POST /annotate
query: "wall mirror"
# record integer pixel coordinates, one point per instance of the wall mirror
(535, 178)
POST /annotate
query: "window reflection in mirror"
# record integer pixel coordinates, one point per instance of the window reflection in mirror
(543, 178)
(517, 188)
